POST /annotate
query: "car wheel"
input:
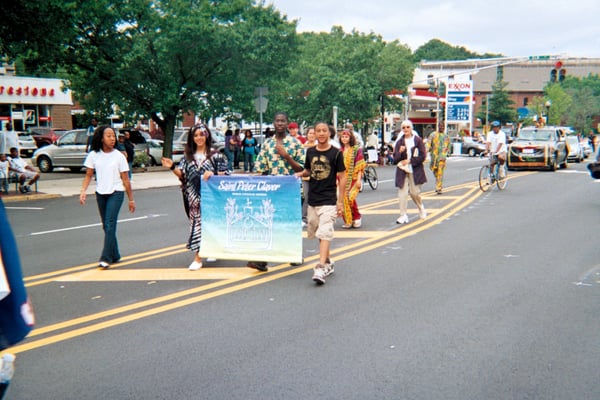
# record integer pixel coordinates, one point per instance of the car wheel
(471, 152)
(564, 163)
(44, 164)
(553, 164)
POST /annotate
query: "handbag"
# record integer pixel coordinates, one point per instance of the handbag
(406, 168)
(594, 169)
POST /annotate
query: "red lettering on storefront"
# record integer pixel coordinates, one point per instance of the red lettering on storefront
(11, 90)
(44, 91)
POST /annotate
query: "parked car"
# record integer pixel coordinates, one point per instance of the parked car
(180, 139)
(467, 145)
(586, 147)
(543, 147)
(155, 151)
(27, 145)
(575, 149)
(138, 138)
(44, 136)
(68, 151)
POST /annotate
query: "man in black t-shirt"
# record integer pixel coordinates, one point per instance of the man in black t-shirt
(324, 164)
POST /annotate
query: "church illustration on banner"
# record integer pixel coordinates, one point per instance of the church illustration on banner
(250, 226)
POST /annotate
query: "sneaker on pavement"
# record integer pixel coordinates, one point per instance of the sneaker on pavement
(27, 188)
(258, 265)
(357, 223)
(347, 226)
(403, 219)
(328, 269)
(195, 265)
(319, 274)
(423, 213)
(22, 189)
(103, 265)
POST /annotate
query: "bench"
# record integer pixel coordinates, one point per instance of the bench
(13, 178)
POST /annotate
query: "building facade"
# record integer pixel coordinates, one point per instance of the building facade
(525, 78)
(28, 102)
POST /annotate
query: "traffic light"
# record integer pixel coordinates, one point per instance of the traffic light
(562, 74)
(553, 75)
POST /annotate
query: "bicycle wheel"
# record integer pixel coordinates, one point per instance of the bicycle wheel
(502, 171)
(371, 176)
(485, 180)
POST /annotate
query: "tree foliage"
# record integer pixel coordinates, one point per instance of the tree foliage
(438, 50)
(501, 106)
(160, 58)
(347, 70)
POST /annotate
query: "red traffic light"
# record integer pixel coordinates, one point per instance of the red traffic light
(558, 64)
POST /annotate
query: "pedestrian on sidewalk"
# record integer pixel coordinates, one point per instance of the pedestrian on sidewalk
(324, 165)
(112, 181)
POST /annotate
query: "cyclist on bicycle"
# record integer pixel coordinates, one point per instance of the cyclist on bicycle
(496, 143)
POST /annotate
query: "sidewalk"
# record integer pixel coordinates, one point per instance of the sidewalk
(153, 178)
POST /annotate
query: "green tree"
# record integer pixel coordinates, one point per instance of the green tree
(501, 106)
(438, 50)
(585, 95)
(347, 70)
(158, 59)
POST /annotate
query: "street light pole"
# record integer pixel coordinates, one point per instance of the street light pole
(548, 105)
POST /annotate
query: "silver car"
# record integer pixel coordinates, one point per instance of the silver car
(68, 151)
(27, 144)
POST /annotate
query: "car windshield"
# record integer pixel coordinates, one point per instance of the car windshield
(536, 134)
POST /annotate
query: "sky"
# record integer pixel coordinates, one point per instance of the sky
(514, 28)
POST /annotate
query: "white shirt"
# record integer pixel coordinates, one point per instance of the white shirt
(4, 169)
(495, 139)
(108, 167)
(9, 139)
(372, 140)
(409, 143)
(17, 163)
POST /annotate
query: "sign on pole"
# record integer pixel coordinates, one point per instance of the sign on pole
(459, 104)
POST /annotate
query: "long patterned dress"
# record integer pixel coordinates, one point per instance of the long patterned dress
(354, 161)
(192, 178)
(439, 147)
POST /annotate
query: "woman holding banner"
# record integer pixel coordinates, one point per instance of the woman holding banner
(200, 162)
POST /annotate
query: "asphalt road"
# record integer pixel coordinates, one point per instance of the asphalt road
(493, 296)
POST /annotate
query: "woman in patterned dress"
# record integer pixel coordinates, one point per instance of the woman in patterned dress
(200, 162)
(354, 161)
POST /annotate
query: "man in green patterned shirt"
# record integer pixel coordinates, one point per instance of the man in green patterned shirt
(282, 154)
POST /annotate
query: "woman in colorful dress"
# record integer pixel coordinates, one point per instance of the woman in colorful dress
(200, 162)
(354, 161)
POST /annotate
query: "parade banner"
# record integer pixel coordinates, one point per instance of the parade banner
(252, 218)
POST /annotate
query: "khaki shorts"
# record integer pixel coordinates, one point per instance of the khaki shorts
(320, 222)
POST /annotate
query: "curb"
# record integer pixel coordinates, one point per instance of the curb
(34, 196)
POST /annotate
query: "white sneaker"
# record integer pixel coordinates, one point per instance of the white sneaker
(211, 259)
(423, 213)
(319, 274)
(347, 226)
(195, 265)
(403, 219)
(357, 223)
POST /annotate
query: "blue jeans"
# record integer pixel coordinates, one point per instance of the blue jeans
(229, 155)
(109, 206)
(249, 161)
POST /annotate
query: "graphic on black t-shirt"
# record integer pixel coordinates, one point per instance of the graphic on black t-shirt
(320, 168)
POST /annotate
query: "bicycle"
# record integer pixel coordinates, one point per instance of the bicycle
(370, 176)
(487, 177)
